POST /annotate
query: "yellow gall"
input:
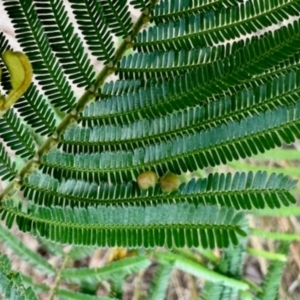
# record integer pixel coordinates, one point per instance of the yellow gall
(169, 182)
(146, 180)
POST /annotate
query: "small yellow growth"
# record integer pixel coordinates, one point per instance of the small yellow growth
(120, 253)
(20, 71)
(146, 180)
(169, 182)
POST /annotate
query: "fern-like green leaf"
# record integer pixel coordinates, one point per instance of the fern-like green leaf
(166, 225)
(230, 264)
(199, 86)
(197, 269)
(282, 69)
(241, 191)
(11, 285)
(165, 65)
(110, 271)
(272, 281)
(168, 10)
(284, 90)
(66, 44)
(7, 167)
(36, 112)
(31, 36)
(207, 148)
(89, 15)
(16, 135)
(119, 87)
(213, 27)
(159, 284)
(61, 293)
(117, 16)
(25, 253)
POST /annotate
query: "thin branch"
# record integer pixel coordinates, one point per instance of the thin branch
(55, 286)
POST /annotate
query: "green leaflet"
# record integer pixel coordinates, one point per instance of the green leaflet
(166, 225)
(168, 10)
(45, 65)
(184, 100)
(241, 191)
(207, 148)
(89, 15)
(11, 284)
(111, 271)
(117, 16)
(16, 134)
(65, 42)
(282, 90)
(199, 86)
(7, 167)
(26, 254)
(202, 30)
(273, 277)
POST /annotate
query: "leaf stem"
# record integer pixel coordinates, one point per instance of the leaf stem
(267, 254)
(290, 237)
(58, 277)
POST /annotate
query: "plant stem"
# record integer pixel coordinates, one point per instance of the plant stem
(58, 278)
(267, 254)
(275, 235)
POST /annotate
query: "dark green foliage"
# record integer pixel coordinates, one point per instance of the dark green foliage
(168, 10)
(11, 285)
(165, 65)
(273, 277)
(230, 264)
(32, 105)
(283, 90)
(208, 29)
(117, 16)
(187, 153)
(199, 86)
(89, 15)
(185, 100)
(141, 4)
(7, 167)
(186, 106)
(30, 35)
(119, 87)
(169, 225)
(36, 111)
(16, 135)
(241, 191)
(67, 45)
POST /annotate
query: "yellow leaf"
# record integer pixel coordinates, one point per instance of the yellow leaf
(20, 71)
